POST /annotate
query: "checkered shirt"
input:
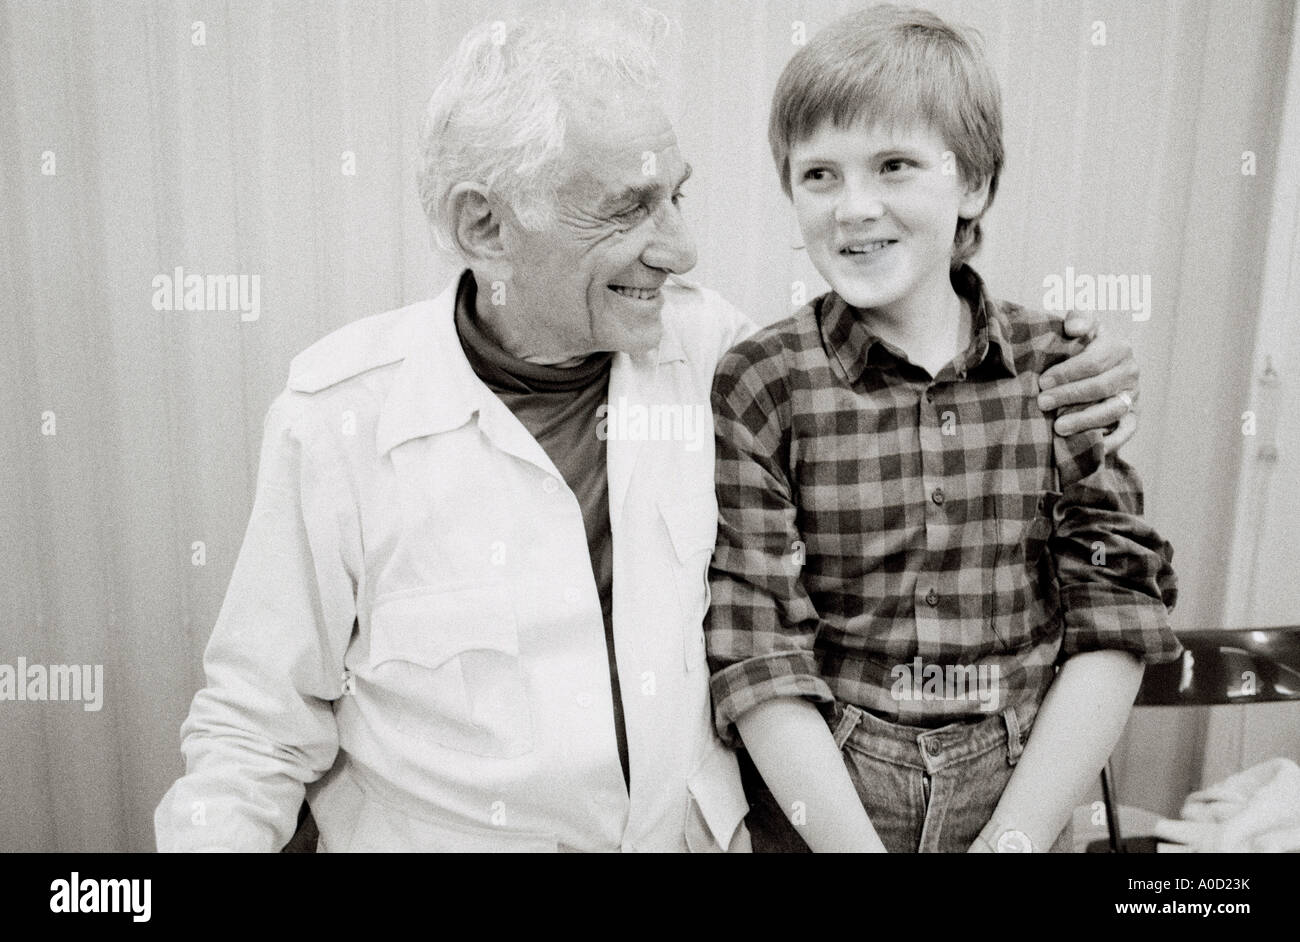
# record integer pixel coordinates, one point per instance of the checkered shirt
(892, 540)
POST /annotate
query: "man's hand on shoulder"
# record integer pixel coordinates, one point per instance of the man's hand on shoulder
(1103, 378)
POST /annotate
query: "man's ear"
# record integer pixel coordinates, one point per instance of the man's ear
(476, 226)
(974, 200)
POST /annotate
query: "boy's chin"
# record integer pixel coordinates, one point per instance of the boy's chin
(864, 298)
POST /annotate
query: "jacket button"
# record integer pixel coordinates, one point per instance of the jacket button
(932, 598)
(932, 746)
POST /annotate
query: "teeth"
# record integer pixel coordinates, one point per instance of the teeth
(641, 294)
(866, 247)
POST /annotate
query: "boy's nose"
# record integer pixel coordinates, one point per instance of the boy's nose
(859, 201)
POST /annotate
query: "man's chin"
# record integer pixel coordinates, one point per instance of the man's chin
(641, 349)
(635, 341)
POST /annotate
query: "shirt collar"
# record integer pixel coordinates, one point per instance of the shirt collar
(857, 349)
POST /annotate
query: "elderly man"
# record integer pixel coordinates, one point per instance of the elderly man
(467, 613)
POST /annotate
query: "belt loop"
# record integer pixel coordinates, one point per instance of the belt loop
(848, 722)
(1013, 735)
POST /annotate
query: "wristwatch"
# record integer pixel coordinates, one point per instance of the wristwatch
(1014, 842)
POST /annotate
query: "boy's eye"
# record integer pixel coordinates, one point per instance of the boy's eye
(897, 163)
(678, 197)
(817, 179)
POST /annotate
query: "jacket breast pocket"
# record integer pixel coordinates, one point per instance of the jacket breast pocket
(692, 522)
(448, 661)
(382, 828)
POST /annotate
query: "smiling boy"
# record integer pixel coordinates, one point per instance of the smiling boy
(891, 497)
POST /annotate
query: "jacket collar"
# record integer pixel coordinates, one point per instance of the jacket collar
(436, 389)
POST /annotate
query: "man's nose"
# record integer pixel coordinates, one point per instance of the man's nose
(671, 247)
(860, 199)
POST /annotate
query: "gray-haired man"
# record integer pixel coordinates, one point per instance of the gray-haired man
(469, 617)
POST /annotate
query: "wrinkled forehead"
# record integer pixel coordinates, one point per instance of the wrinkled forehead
(619, 139)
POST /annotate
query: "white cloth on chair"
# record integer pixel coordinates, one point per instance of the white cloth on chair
(1255, 811)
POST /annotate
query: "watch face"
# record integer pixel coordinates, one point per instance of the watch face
(1014, 842)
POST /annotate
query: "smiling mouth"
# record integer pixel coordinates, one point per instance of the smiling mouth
(867, 248)
(638, 294)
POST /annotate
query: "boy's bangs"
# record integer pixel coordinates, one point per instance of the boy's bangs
(885, 94)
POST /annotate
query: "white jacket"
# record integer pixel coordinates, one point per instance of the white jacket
(413, 633)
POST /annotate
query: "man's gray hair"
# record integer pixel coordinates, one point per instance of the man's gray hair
(500, 105)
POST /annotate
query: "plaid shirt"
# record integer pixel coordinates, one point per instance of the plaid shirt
(924, 548)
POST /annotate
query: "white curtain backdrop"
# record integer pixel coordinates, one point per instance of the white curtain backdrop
(130, 435)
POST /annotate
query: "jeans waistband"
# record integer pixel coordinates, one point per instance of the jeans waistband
(931, 749)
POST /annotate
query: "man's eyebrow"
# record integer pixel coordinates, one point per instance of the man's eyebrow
(646, 192)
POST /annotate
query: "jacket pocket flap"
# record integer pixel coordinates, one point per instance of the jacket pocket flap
(718, 798)
(692, 522)
(430, 626)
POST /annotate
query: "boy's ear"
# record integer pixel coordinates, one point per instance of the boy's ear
(476, 225)
(974, 200)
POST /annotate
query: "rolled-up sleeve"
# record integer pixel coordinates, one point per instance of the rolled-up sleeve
(761, 624)
(1115, 572)
(263, 725)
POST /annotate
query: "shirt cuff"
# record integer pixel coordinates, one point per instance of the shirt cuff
(739, 688)
(1101, 617)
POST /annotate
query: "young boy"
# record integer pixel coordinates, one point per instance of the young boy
(906, 553)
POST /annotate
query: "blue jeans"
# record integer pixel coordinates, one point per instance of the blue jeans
(925, 790)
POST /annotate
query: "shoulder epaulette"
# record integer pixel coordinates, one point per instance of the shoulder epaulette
(353, 349)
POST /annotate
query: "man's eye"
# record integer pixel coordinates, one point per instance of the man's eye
(815, 174)
(631, 213)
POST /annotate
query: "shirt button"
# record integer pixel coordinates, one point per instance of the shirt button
(571, 595)
(929, 395)
(937, 496)
(550, 485)
(961, 375)
(932, 598)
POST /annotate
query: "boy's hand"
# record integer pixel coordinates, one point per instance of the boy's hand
(1104, 375)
